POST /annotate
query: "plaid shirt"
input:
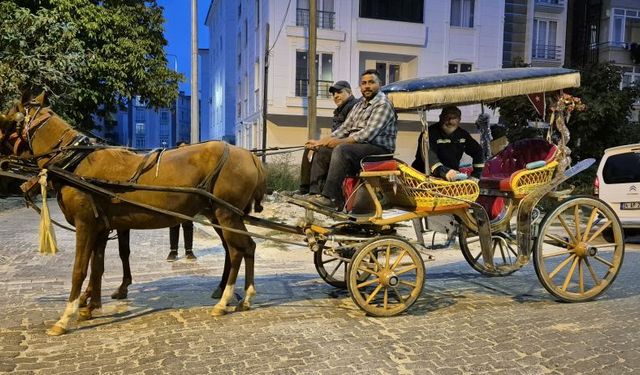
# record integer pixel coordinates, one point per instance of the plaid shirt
(371, 122)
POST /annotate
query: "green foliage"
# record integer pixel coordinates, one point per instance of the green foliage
(91, 56)
(282, 175)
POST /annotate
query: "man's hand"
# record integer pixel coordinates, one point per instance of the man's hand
(451, 175)
(312, 144)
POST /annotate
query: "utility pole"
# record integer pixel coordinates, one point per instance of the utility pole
(312, 88)
(264, 94)
(195, 110)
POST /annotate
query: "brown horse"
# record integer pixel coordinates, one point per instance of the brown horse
(231, 174)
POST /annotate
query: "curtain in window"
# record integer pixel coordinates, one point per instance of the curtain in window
(462, 13)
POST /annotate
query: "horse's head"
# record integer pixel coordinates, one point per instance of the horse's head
(14, 125)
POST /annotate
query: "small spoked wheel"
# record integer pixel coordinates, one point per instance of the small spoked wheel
(386, 276)
(503, 247)
(332, 269)
(574, 261)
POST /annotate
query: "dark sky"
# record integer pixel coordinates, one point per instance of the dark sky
(177, 14)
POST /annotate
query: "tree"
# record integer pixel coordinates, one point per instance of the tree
(91, 56)
(604, 124)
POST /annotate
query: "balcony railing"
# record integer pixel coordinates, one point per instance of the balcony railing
(546, 52)
(550, 6)
(324, 20)
(323, 88)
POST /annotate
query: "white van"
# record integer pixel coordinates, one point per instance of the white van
(618, 183)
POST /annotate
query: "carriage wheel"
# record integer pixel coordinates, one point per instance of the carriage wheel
(573, 260)
(386, 276)
(503, 246)
(331, 269)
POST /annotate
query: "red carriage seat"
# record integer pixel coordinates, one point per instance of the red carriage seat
(498, 170)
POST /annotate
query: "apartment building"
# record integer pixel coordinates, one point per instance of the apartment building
(402, 39)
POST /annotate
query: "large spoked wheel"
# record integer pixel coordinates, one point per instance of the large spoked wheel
(503, 247)
(386, 276)
(573, 260)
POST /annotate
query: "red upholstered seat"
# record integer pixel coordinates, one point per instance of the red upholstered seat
(383, 165)
(498, 170)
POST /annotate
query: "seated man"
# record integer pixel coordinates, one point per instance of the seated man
(344, 99)
(447, 143)
(369, 129)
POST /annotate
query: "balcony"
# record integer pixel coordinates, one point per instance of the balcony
(325, 20)
(323, 88)
(546, 52)
(549, 6)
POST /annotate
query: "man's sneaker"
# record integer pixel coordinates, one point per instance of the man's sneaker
(189, 255)
(322, 201)
(173, 255)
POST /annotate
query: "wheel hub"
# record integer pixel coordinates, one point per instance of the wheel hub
(584, 250)
(389, 279)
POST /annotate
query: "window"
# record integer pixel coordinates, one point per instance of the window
(139, 142)
(325, 14)
(462, 13)
(455, 67)
(389, 72)
(140, 128)
(544, 40)
(630, 76)
(140, 115)
(626, 26)
(398, 10)
(324, 67)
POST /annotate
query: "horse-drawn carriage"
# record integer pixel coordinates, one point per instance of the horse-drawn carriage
(384, 272)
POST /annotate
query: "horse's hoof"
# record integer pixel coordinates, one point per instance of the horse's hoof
(84, 314)
(119, 294)
(217, 294)
(56, 330)
(217, 311)
(243, 307)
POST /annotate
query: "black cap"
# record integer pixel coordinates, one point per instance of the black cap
(338, 86)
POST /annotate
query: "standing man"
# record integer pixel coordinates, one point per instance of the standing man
(447, 142)
(174, 234)
(344, 99)
(369, 129)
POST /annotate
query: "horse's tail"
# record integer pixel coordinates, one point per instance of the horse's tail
(261, 186)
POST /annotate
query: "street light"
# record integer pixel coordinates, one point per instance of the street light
(175, 67)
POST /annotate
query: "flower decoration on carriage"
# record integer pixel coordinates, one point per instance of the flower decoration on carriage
(566, 104)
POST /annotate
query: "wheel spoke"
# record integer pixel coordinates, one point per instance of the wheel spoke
(388, 257)
(561, 266)
(375, 260)
(367, 283)
(373, 294)
(581, 276)
(367, 270)
(587, 229)
(567, 279)
(405, 270)
(336, 268)
(556, 238)
(398, 294)
(592, 272)
(602, 260)
(558, 253)
(395, 264)
(386, 297)
(403, 282)
(566, 228)
(597, 233)
(576, 219)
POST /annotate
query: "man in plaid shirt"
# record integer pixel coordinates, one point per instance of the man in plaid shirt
(369, 129)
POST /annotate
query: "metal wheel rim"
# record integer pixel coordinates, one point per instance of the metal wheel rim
(573, 262)
(393, 277)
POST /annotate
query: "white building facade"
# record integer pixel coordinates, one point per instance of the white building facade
(402, 39)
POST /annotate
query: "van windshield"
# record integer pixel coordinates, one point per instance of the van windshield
(622, 168)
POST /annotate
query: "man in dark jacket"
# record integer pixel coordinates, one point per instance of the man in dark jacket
(344, 99)
(447, 143)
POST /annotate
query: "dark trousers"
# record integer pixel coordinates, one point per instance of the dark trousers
(305, 172)
(331, 166)
(174, 236)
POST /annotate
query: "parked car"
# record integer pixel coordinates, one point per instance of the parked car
(618, 183)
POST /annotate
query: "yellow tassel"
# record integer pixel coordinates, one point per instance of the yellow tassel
(47, 235)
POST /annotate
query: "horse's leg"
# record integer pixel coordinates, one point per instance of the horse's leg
(124, 250)
(84, 297)
(237, 245)
(85, 238)
(95, 278)
(249, 288)
(217, 293)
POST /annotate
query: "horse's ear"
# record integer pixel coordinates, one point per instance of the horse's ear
(40, 98)
(25, 98)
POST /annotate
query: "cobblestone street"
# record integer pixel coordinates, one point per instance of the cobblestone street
(463, 323)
